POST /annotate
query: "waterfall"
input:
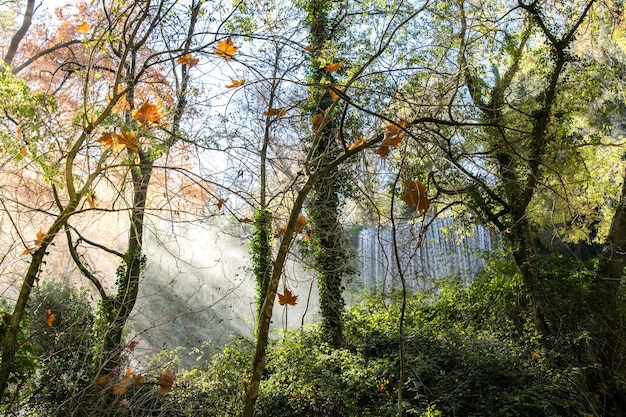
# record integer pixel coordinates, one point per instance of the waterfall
(447, 249)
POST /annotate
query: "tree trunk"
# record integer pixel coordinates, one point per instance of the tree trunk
(330, 252)
(119, 308)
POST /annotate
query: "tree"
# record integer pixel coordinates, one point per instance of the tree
(121, 133)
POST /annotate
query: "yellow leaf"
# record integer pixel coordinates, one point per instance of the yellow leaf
(275, 112)
(235, 83)
(226, 48)
(188, 60)
(330, 68)
(536, 356)
(280, 232)
(83, 28)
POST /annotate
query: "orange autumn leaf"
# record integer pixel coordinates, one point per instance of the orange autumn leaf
(189, 60)
(121, 105)
(40, 237)
(287, 298)
(107, 377)
(236, 83)
(106, 139)
(246, 220)
(118, 142)
(28, 251)
(280, 232)
(23, 151)
(330, 68)
(301, 222)
(307, 48)
(91, 200)
(275, 112)
(317, 120)
(226, 48)
(38, 241)
(50, 318)
(392, 138)
(415, 195)
(128, 140)
(333, 91)
(147, 113)
(359, 143)
(83, 28)
(165, 381)
(309, 234)
(121, 387)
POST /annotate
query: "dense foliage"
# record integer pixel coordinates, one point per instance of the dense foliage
(470, 351)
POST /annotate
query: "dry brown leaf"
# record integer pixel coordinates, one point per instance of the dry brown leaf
(275, 112)
(121, 387)
(392, 138)
(287, 298)
(415, 195)
(220, 203)
(165, 381)
(189, 60)
(317, 120)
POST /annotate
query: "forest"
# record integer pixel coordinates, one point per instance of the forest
(186, 185)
